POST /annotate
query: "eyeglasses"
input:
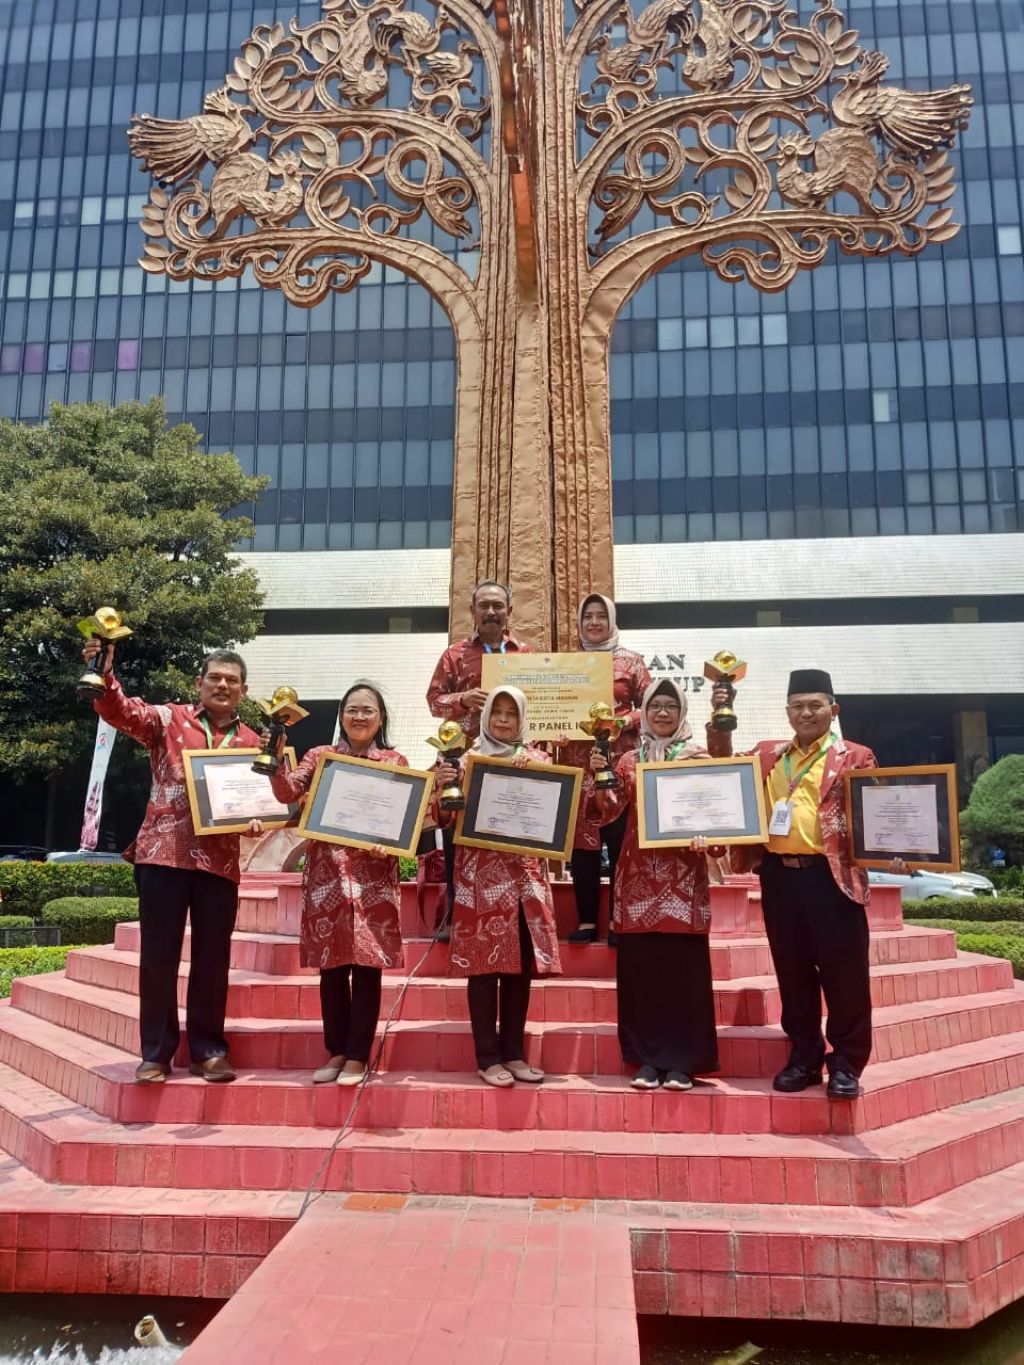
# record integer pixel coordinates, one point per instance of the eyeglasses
(668, 708)
(361, 712)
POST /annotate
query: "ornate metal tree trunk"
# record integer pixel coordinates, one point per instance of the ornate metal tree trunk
(574, 160)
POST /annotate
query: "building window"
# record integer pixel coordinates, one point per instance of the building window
(1009, 241)
(883, 405)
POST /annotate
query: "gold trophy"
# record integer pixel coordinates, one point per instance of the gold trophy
(725, 670)
(282, 710)
(106, 624)
(603, 727)
(450, 742)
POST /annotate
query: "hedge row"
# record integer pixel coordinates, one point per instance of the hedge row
(28, 962)
(90, 919)
(17, 922)
(1010, 879)
(27, 887)
(1013, 927)
(995, 945)
(985, 908)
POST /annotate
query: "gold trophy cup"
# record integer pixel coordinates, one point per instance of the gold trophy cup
(106, 625)
(282, 710)
(725, 670)
(603, 727)
(450, 742)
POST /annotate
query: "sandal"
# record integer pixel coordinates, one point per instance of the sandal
(329, 1072)
(497, 1075)
(522, 1071)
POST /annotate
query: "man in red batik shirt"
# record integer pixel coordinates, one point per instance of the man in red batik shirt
(455, 692)
(178, 873)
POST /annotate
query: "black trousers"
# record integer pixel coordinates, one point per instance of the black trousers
(819, 943)
(167, 897)
(586, 872)
(666, 1002)
(448, 844)
(498, 1005)
(350, 1013)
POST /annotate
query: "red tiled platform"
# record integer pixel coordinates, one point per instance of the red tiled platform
(906, 1206)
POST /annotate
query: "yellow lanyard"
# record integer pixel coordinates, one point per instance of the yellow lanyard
(794, 782)
(209, 734)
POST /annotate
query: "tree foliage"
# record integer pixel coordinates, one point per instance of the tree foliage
(995, 810)
(109, 506)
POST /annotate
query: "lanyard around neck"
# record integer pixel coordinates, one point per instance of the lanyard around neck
(794, 782)
(490, 649)
(232, 731)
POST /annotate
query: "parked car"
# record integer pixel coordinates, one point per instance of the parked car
(84, 855)
(22, 853)
(924, 885)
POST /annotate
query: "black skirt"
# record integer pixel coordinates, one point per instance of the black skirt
(666, 1002)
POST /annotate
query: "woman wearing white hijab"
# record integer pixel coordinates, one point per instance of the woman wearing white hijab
(598, 632)
(503, 922)
(662, 917)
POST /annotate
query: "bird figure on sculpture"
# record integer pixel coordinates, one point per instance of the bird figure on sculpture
(844, 159)
(241, 186)
(647, 38)
(914, 122)
(171, 149)
(715, 34)
(447, 74)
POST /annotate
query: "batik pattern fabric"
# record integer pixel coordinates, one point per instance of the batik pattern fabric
(350, 898)
(166, 837)
(459, 670)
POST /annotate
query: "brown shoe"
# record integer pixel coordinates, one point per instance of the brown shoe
(213, 1069)
(151, 1073)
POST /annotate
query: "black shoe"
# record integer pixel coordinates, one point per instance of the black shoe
(586, 933)
(613, 939)
(843, 1085)
(677, 1080)
(793, 1078)
(646, 1078)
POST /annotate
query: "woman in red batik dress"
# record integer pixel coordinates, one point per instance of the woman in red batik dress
(598, 632)
(503, 924)
(350, 896)
(662, 916)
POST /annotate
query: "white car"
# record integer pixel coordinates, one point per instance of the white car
(925, 886)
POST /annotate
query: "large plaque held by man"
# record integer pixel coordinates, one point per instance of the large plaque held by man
(560, 689)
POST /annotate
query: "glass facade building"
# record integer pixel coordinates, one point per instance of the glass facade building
(880, 397)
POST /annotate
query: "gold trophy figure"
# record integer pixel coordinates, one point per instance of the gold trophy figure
(282, 710)
(106, 625)
(724, 670)
(450, 742)
(603, 727)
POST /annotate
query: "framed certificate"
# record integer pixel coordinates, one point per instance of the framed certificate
(559, 688)
(225, 793)
(908, 813)
(363, 804)
(721, 799)
(529, 810)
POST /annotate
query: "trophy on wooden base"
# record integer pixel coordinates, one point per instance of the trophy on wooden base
(450, 742)
(282, 710)
(106, 625)
(724, 670)
(604, 726)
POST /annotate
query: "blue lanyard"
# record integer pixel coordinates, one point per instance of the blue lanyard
(488, 649)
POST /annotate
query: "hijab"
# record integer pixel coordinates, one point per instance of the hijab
(606, 646)
(497, 748)
(663, 748)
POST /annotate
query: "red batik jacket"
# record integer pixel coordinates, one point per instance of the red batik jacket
(350, 898)
(458, 670)
(166, 837)
(630, 681)
(842, 757)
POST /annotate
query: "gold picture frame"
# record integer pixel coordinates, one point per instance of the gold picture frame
(202, 803)
(938, 777)
(753, 829)
(322, 823)
(472, 833)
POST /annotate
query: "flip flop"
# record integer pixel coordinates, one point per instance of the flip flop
(522, 1071)
(497, 1075)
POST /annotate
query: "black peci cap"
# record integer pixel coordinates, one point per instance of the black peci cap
(810, 680)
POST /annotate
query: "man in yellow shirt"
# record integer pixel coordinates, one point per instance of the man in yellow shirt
(812, 896)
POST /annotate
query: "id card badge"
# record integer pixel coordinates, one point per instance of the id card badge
(782, 818)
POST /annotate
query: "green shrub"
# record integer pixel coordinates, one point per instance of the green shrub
(995, 945)
(17, 922)
(407, 869)
(90, 919)
(1006, 880)
(995, 809)
(986, 908)
(26, 887)
(28, 962)
(1013, 927)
